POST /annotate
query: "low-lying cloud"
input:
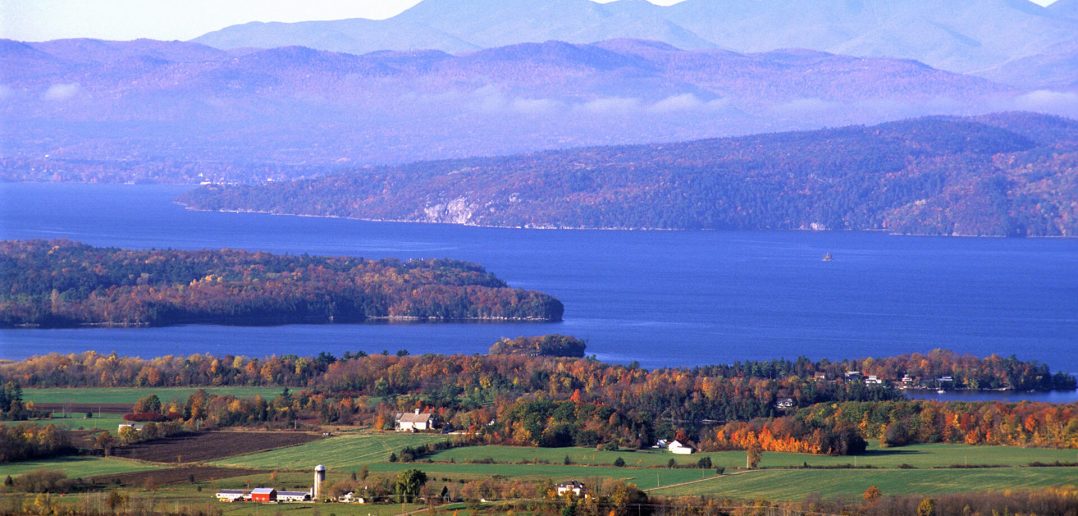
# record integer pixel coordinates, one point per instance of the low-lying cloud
(61, 92)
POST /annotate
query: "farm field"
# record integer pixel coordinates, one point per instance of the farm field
(213, 445)
(778, 484)
(346, 451)
(78, 421)
(77, 467)
(129, 395)
(920, 456)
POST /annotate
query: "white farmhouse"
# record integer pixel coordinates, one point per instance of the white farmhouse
(678, 448)
(415, 422)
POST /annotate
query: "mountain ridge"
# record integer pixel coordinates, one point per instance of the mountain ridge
(961, 37)
(1005, 174)
(292, 111)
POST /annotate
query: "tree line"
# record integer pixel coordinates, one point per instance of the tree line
(63, 283)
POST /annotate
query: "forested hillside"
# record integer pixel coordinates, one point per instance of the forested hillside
(61, 283)
(1011, 174)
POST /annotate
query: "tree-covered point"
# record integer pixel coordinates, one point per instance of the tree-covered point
(542, 346)
(1005, 174)
(63, 283)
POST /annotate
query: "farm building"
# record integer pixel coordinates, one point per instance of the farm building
(264, 494)
(350, 497)
(231, 495)
(293, 496)
(678, 448)
(134, 426)
(573, 488)
(415, 422)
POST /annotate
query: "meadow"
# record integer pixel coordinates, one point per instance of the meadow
(78, 421)
(919, 456)
(339, 452)
(77, 466)
(129, 395)
(785, 484)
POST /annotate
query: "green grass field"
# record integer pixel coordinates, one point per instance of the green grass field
(795, 484)
(921, 456)
(346, 451)
(78, 421)
(77, 467)
(91, 395)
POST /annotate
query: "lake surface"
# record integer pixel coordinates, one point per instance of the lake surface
(659, 298)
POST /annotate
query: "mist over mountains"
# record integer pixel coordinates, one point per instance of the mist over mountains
(963, 36)
(146, 110)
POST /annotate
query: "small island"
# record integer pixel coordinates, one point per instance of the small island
(48, 284)
(542, 346)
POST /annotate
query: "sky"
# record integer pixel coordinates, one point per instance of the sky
(40, 20)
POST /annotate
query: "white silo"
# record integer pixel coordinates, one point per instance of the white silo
(319, 479)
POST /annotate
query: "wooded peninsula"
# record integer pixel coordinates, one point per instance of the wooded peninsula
(64, 284)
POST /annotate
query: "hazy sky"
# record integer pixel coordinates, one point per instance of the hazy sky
(38, 20)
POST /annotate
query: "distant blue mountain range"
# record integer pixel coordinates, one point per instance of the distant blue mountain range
(80, 101)
(979, 36)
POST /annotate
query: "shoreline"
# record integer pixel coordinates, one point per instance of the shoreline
(188, 207)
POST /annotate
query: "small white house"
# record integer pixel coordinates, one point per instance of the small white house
(350, 497)
(572, 487)
(415, 422)
(873, 380)
(134, 426)
(293, 496)
(231, 495)
(785, 404)
(678, 448)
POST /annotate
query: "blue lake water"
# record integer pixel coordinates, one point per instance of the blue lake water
(659, 298)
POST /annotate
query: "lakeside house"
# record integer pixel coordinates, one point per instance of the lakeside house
(873, 380)
(678, 448)
(572, 488)
(415, 421)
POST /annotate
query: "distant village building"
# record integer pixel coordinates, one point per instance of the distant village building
(678, 448)
(820, 377)
(873, 380)
(134, 426)
(293, 496)
(907, 381)
(231, 495)
(785, 404)
(573, 488)
(415, 421)
(264, 494)
(853, 376)
(350, 497)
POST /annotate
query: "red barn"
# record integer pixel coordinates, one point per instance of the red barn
(264, 494)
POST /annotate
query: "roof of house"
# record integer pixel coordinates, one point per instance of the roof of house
(263, 490)
(293, 493)
(410, 417)
(571, 483)
(677, 444)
